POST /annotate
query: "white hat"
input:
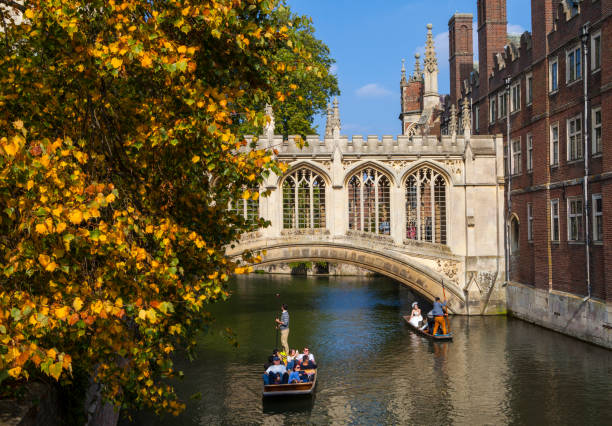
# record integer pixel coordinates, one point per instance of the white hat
(414, 304)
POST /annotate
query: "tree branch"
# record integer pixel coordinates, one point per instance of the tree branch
(11, 3)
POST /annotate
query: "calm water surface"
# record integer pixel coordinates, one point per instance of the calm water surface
(374, 370)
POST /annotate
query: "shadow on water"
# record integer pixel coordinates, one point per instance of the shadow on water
(288, 404)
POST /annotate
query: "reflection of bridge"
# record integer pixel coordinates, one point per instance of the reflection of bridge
(417, 209)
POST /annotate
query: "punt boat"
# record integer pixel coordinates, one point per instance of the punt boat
(290, 389)
(437, 337)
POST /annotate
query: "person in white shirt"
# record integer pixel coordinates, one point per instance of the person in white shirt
(276, 373)
(306, 352)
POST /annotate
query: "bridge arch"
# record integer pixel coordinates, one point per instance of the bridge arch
(403, 269)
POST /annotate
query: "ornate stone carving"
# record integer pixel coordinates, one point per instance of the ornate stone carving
(431, 62)
(399, 164)
(484, 280)
(452, 126)
(455, 166)
(449, 269)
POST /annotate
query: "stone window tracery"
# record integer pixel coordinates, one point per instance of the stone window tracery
(303, 200)
(426, 206)
(369, 202)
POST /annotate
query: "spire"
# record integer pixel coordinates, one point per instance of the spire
(466, 119)
(418, 73)
(431, 62)
(336, 119)
(270, 125)
(452, 126)
(403, 80)
(329, 124)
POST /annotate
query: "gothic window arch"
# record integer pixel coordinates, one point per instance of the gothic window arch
(369, 202)
(303, 200)
(426, 206)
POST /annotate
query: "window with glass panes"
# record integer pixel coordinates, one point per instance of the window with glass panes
(554, 220)
(553, 72)
(596, 117)
(574, 219)
(426, 206)
(573, 65)
(303, 200)
(597, 217)
(369, 204)
(554, 144)
(503, 104)
(492, 109)
(529, 153)
(596, 51)
(515, 97)
(574, 138)
(516, 156)
(529, 89)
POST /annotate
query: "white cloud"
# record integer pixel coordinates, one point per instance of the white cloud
(333, 69)
(515, 29)
(373, 90)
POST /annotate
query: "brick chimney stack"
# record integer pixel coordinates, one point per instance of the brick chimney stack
(461, 52)
(542, 12)
(492, 37)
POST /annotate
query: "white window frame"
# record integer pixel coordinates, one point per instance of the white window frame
(554, 82)
(554, 156)
(502, 100)
(516, 157)
(492, 109)
(595, 65)
(529, 221)
(597, 216)
(529, 89)
(554, 216)
(573, 64)
(576, 216)
(515, 97)
(574, 138)
(596, 148)
(529, 153)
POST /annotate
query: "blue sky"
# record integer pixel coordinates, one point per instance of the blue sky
(368, 40)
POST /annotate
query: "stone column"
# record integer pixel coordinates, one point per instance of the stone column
(398, 216)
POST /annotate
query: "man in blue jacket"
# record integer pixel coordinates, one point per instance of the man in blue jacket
(438, 313)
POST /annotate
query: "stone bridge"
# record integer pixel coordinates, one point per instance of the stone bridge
(426, 211)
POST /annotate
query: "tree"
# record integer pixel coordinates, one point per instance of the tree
(120, 151)
(309, 91)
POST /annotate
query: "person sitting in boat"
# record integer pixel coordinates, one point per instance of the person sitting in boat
(439, 316)
(429, 325)
(306, 352)
(415, 316)
(295, 376)
(276, 373)
(308, 366)
(291, 358)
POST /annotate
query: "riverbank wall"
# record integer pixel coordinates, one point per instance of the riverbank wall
(315, 268)
(589, 320)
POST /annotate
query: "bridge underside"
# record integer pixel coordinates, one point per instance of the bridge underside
(385, 261)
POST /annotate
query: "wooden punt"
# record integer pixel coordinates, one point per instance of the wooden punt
(290, 389)
(437, 337)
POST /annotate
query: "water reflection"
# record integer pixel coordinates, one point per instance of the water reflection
(373, 369)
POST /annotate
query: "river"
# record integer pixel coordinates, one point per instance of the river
(374, 370)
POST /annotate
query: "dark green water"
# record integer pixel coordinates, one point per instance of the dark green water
(374, 370)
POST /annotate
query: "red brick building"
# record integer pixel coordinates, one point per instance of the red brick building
(538, 78)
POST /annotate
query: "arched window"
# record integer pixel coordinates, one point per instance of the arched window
(426, 206)
(368, 203)
(515, 234)
(303, 200)
(248, 209)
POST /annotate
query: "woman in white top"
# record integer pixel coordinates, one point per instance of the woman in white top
(415, 316)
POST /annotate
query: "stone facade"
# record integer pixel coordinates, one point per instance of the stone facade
(554, 221)
(424, 209)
